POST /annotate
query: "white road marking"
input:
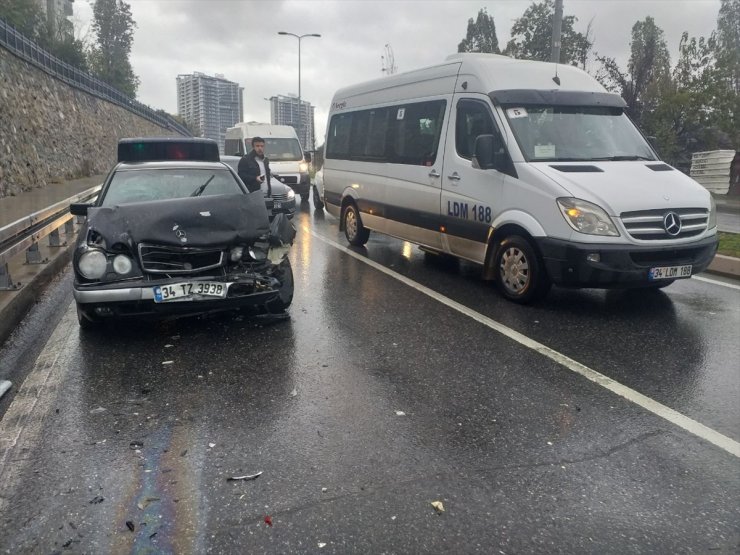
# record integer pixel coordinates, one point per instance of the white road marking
(21, 425)
(715, 282)
(667, 413)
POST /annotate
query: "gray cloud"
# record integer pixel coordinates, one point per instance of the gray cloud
(238, 38)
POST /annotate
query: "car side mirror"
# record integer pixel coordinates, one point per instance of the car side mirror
(484, 157)
(79, 209)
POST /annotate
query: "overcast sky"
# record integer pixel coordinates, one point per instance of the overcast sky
(238, 39)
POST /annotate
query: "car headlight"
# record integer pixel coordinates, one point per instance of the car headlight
(291, 194)
(92, 264)
(122, 264)
(303, 166)
(236, 254)
(586, 217)
(712, 222)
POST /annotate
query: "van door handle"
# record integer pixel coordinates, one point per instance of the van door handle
(433, 173)
(454, 177)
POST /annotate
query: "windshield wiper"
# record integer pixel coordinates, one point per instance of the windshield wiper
(624, 158)
(202, 188)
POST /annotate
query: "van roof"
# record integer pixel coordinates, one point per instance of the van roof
(484, 73)
(254, 129)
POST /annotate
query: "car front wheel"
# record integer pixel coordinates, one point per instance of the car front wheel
(520, 273)
(356, 233)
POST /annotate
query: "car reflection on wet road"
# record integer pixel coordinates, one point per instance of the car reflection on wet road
(372, 402)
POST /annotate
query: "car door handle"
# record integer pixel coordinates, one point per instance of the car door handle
(433, 173)
(454, 177)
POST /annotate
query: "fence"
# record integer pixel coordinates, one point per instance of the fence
(30, 52)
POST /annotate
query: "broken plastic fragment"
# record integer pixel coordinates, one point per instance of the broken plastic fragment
(323, 490)
(146, 502)
(97, 500)
(168, 362)
(244, 478)
(294, 392)
(400, 413)
(97, 410)
(130, 525)
(168, 346)
(321, 544)
(205, 214)
(211, 445)
(438, 507)
(268, 520)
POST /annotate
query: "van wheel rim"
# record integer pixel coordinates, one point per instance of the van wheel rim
(515, 274)
(350, 223)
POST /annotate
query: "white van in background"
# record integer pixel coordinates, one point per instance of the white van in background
(281, 147)
(530, 169)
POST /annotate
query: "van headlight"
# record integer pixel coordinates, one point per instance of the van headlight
(92, 264)
(586, 217)
(303, 166)
(712, 221)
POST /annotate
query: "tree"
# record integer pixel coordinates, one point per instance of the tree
(531, 36)
(648, 70)
(728, 43)
(481, 35)
(25, 16)
(114, 27)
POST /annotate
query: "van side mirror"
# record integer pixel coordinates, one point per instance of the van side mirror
(484, 156)
(79, 209)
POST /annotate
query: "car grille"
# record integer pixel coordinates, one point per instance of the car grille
(160, 259)
(281, 197)
(649, 225)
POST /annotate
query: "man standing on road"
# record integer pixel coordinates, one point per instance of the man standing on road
(254, 168)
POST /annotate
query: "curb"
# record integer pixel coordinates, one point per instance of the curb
(727, 266)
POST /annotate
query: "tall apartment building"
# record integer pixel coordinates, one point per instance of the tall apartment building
(210, 104)
(284, 110)
(57, 13)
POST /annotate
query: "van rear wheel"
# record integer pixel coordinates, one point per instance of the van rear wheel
(356, 233)
(520, 272)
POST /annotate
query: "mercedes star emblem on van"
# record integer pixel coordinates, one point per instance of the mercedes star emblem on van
(672, 224)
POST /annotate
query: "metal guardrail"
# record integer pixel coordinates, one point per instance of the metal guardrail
(25, 233)
(30, 52)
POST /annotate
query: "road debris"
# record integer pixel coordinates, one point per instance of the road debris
(321, 544)
(294, 392)
(167, 362)
(268, 520)
(211, 445)
(168, 346)
(438, 506)
(5, 385)
(245, 478)
(134, 445)
(97, 500)
(97, 410)
(324, 490)
(130, 525)
(143, 504)
(400, 413)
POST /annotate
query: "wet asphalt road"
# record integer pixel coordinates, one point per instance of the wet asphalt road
(525, 455)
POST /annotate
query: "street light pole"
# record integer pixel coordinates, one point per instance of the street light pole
(300, 111)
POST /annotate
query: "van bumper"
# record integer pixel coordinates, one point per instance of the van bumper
(619, 265)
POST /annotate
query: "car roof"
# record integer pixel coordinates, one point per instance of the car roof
(171, 165)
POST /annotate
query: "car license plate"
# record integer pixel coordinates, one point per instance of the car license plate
(277, 204)
(669, 272)
(189, 291)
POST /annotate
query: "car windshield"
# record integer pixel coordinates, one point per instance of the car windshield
(141, 185)
(576, 133)
(282, 150)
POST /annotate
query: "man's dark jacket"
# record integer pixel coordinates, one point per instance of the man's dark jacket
(248, 170)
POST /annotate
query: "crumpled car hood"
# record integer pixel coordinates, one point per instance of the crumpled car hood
(218, 220)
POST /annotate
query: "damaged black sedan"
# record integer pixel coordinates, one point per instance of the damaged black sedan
(175, 232)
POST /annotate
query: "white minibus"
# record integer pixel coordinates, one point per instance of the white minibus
(531, 169)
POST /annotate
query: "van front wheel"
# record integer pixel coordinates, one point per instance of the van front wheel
(520, 273)
(356, 233)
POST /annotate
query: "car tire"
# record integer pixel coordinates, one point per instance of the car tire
(520, 272)
(86, 321)
(356, 233)
(284, 274)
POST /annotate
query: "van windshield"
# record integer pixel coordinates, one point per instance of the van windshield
(282, 150)
(576, 133)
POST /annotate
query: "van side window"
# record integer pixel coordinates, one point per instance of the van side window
(369, 132)
(338, 137)
(415, 132)
(231, 146)
(473, 119)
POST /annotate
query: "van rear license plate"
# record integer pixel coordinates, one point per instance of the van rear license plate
(669, 272)
(189, 291)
